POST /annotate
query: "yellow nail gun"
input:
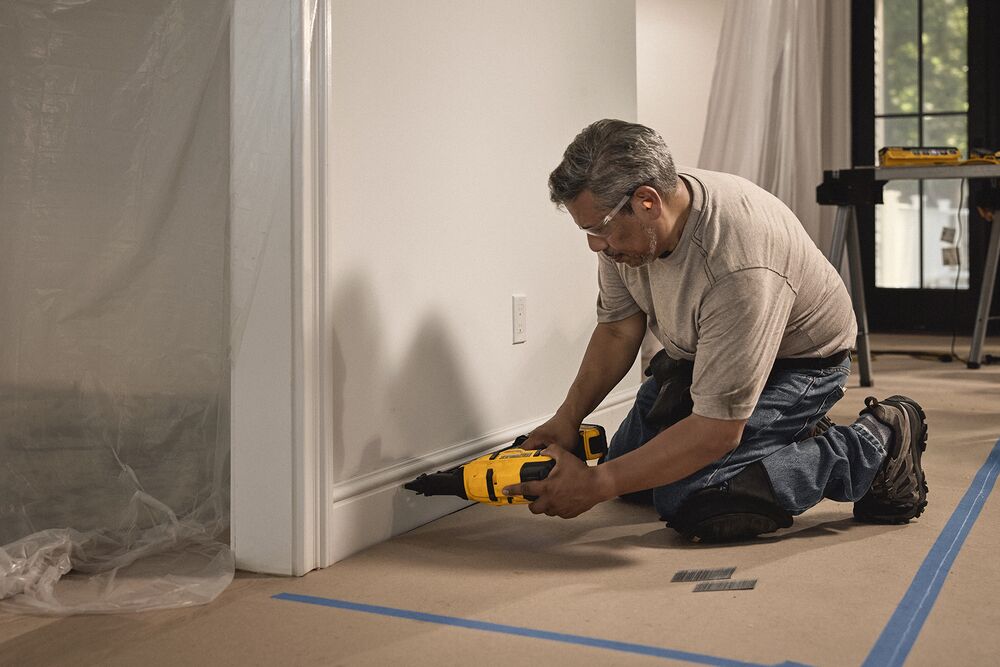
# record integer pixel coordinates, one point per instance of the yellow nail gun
(483, 479)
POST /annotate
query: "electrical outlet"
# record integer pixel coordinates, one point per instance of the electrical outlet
(520, 317)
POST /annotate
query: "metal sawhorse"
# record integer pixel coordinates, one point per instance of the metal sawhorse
(848, 188)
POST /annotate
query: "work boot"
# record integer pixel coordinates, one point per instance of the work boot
(899, 491)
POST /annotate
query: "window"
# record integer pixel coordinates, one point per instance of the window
(921, 99)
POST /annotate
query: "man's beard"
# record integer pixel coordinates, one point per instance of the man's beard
(636, 261)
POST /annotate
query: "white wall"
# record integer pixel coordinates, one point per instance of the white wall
(676, 45)
(446, 118)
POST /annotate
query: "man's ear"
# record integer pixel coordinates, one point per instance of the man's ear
(647, 197)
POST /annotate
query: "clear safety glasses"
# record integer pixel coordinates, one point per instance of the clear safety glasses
(601, 228)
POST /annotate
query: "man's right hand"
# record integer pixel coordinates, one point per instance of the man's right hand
(558, 431)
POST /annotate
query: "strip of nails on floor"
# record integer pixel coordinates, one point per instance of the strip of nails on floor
(704, 574)
(734, 585)
(710, 578)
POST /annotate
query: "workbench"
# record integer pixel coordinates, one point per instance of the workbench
(848, 188)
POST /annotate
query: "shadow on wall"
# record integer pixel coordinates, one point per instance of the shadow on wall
(393, 415)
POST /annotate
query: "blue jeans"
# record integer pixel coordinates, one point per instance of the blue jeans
(839, 464)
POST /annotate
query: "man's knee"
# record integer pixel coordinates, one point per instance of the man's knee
(740, 509)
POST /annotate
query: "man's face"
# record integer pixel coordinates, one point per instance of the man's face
(626, 238)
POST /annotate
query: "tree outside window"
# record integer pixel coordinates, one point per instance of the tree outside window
(921, 99)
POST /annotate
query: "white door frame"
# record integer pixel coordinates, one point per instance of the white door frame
(280, 372)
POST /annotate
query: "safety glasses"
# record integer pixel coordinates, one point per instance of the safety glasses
(601, 228)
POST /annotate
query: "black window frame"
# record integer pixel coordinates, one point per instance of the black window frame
(925, 309)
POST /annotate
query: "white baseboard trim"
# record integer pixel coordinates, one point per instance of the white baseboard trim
(374, 507)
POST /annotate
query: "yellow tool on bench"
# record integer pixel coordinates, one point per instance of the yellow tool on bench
(915, 156)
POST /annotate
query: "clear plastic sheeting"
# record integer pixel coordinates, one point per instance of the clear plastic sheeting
(63, 571)
(114, 304)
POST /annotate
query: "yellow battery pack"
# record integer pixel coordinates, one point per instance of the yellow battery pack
(594, 442)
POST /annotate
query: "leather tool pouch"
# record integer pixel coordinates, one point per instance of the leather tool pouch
(673, 403)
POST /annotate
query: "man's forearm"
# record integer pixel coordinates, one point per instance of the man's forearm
(609, 355)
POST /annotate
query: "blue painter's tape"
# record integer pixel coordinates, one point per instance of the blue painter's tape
(899, 635)
(594, 642)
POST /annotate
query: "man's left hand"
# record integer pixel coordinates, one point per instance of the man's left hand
(571, 488)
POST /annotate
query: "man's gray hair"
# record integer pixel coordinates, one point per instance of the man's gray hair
(612, 158)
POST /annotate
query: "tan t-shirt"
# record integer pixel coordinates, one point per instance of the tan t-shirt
(745, 286)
